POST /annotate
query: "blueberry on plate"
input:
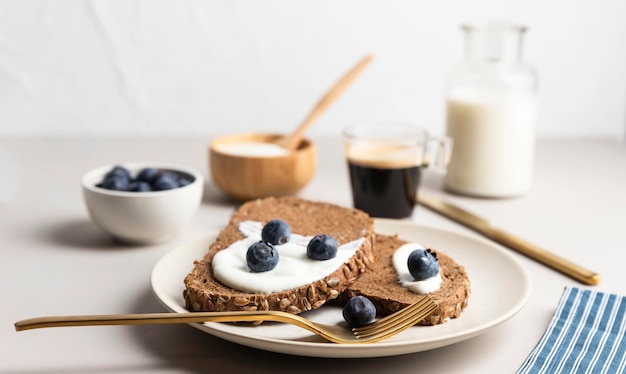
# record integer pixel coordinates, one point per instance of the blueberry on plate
(423, 264)
(276, 232)
(359, 311)
(322, 247)
(261, 256)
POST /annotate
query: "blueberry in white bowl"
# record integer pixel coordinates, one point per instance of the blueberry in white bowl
(142, 202)
(119, 178)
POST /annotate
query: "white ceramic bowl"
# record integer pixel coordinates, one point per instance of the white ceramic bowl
(142, 217)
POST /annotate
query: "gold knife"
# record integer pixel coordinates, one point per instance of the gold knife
(483, 226)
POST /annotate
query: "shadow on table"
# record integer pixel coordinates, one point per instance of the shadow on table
(187, 349)
(83, 234)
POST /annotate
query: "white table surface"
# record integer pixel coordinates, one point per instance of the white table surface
(55, 262)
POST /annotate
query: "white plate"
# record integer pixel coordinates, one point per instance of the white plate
(500, 287)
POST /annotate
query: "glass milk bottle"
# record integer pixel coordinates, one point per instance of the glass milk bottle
(491, 103)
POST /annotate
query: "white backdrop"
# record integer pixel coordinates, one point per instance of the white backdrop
(212, 67)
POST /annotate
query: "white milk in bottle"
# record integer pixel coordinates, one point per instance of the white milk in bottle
(491, 115)
(494, 137)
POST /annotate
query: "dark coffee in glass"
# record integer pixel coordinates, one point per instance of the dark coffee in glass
(384, 191)
(385, 162)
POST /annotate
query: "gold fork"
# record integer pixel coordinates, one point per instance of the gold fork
(374, 332)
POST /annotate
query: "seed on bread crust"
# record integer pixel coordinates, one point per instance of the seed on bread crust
(305, 303)
(265, 305)
(241, 301)
(293, 309)
(333, 282)
(284, 303)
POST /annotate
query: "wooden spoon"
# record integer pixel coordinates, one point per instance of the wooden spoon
(292, 141)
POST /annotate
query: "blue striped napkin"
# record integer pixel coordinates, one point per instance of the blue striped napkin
(586, 335)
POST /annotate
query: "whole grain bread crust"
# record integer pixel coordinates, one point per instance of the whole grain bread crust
(380, 284)
(204, 293)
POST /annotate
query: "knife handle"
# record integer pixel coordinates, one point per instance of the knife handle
(550, 259)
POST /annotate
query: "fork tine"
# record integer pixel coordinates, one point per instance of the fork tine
(416, 313)
(399, 314)
(399, 328)
(384, 334)
(392, 318)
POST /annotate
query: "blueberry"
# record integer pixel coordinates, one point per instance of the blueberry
(119, 171)
(359, 311)
(261, 256)
(139, 186)
(116, 179)
(148, 175)
(148, 179)
(276, 232)
(423, 264)
(115, 182)
(165, 181)
(183, 181)
(322, 247)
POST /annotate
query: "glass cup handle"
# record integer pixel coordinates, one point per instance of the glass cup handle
(438, 151)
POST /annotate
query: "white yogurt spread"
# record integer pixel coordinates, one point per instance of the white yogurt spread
(294, 267)
(254, 149)
(400, 258)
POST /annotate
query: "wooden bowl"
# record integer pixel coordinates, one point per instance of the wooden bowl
(245, 176)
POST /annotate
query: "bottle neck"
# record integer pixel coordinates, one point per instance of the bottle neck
(493, 42)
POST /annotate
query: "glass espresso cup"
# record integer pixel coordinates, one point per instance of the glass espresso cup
(385, 162)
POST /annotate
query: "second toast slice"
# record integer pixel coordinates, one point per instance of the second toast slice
(381, 284)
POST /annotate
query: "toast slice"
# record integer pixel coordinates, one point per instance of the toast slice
(380, 284)
(203, 292)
